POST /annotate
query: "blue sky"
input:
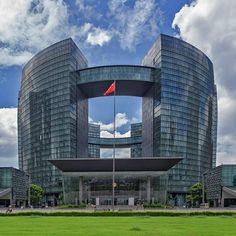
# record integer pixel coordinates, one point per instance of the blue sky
(10, 75)
(115, 32)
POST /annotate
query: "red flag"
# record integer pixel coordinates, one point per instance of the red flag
(111, 89)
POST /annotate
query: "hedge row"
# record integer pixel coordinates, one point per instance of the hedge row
(155, 205)
(123, 213)
(81, 206)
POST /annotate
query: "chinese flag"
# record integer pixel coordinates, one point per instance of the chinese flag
(111, 89)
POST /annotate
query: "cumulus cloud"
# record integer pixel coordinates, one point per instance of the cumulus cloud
(211, 26)
(98, 36)
(133, 24)
(29, 26)
(8, 137)
(129, 23)
(10, 57)
(94, 35)
(121, 120)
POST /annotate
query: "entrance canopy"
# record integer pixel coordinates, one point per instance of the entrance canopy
(98, 166)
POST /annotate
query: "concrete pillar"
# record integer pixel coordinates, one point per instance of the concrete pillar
(76, 201)
(63, 190)
(215, 203)
(89, 193)
(222, 202)
(153, 200)
(80, 189)
(148, 189)
(11, 197)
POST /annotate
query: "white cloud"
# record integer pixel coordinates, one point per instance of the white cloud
(8, 137)
(121, 120)
(106, 130)
(130, 23)
(133, 24)
(29, 26)
(81, 5)
(85, 28)
(107, 134)
(135, 120)
(98, 36)
(119, 153)
(89, 11)
(90, 120)
(211, 26)
(94, 35)
(10, 57)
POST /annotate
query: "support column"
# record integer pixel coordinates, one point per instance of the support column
(148, 189)
(11, 197)
(215, 203)
(222, 203)
(222, 200)
(63, 190)
(80, 189)
(89, 193)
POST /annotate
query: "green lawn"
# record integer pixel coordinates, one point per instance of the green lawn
(112, 226)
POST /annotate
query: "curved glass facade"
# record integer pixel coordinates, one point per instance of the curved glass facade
(185, 110)
(47, 112)
(117, 72)
(179, 111)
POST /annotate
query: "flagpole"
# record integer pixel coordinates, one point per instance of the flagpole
(114, 152)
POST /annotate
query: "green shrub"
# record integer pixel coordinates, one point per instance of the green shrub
(122, 213)
(154, 205)
(80, 206)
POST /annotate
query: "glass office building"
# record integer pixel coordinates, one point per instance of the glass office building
(185, 111)
(47, 113)
(179, 114)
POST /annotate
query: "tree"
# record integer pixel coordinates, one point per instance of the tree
(36, 194)
(195, 194)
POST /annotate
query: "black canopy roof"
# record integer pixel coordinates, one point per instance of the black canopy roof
(121, 165)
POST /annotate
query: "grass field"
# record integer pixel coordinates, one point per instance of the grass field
(112, 226)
